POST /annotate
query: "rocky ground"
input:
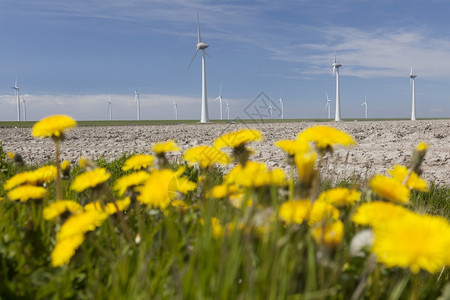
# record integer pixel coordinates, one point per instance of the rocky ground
(381, 144)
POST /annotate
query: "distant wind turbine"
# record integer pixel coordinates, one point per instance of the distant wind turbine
(110, 108)
(16, 89)
(282, 105)
(175, 109)
(24, 108)
(202, 46)
(412, 77)
(328, 106)
(138, 104)
(227, 110)
(270, 109)
(220, 101)
(365, 104)
(336, 67)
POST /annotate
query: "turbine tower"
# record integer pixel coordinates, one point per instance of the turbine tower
(16, 88)
(412, 77)
(24, 108)
(138, 104)
(336, 67)
(175, 109)
(365, 104)
(328, 106)
(220, 101)
(270, 109)
(227, 110)
(202, 46)
(282, 105)
(110, 108)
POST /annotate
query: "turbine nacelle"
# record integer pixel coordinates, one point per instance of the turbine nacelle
(202, 45)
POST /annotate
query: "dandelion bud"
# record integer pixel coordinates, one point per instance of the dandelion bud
(418, 157)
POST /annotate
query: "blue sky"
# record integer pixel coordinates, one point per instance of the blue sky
(69, 56)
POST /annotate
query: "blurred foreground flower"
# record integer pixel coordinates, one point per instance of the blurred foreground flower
(326, 137)
(413, 241)
(414, 182)
(206, 156)
(294, 211)
(53, 126)
(26, 192)
(329, 234)
(376, 213)
(90, 179)
(57, 208)
(390, 189)
(138, 162)
(130, 181)
(340, 196)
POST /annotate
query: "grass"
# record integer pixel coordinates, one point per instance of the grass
(29, 124)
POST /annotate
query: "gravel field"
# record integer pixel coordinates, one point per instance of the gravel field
(381, 144)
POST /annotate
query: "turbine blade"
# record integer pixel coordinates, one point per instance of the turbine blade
(207, 54)
(198, 24)
(192, 60)
(220, 90)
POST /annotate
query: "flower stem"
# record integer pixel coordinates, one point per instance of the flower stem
(58, 171)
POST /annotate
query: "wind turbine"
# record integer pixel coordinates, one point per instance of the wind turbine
(175, 108)
(412, 77)
(110, 108)
(328, 105)
(202, 46)
(138, 104)
(336, 67)
(16, 88)
(365, 104)
(227, 110)
(270, 109)
(24, 108)
(220, 101)
(282, 105)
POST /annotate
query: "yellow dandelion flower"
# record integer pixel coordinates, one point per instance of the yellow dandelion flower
(255, 174)
(322, 211)
(65, 165)
(413, 241)
(130, 181)
(293, 146)
(377, 213)
(11, 155)
(138, 162)
(329, 234)
(305, 162)
(1, 199)
(55, 209)
(45, 174)
(109, 208)
(390, 189)
(65, 249)
(414, 182)
(206, 156)
(179, 204)
(237, 138)
(181, 183)
(326, 137)
(340, 196)
(225, 190)
(161, 187)
(24, 193)
(90, 179)
(163, 147)
(53, 126)
(81, 223)
(217, 229)
(422, 147)
(19, 179)
(294, 211)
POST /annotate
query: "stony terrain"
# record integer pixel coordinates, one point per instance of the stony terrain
(381, 144)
